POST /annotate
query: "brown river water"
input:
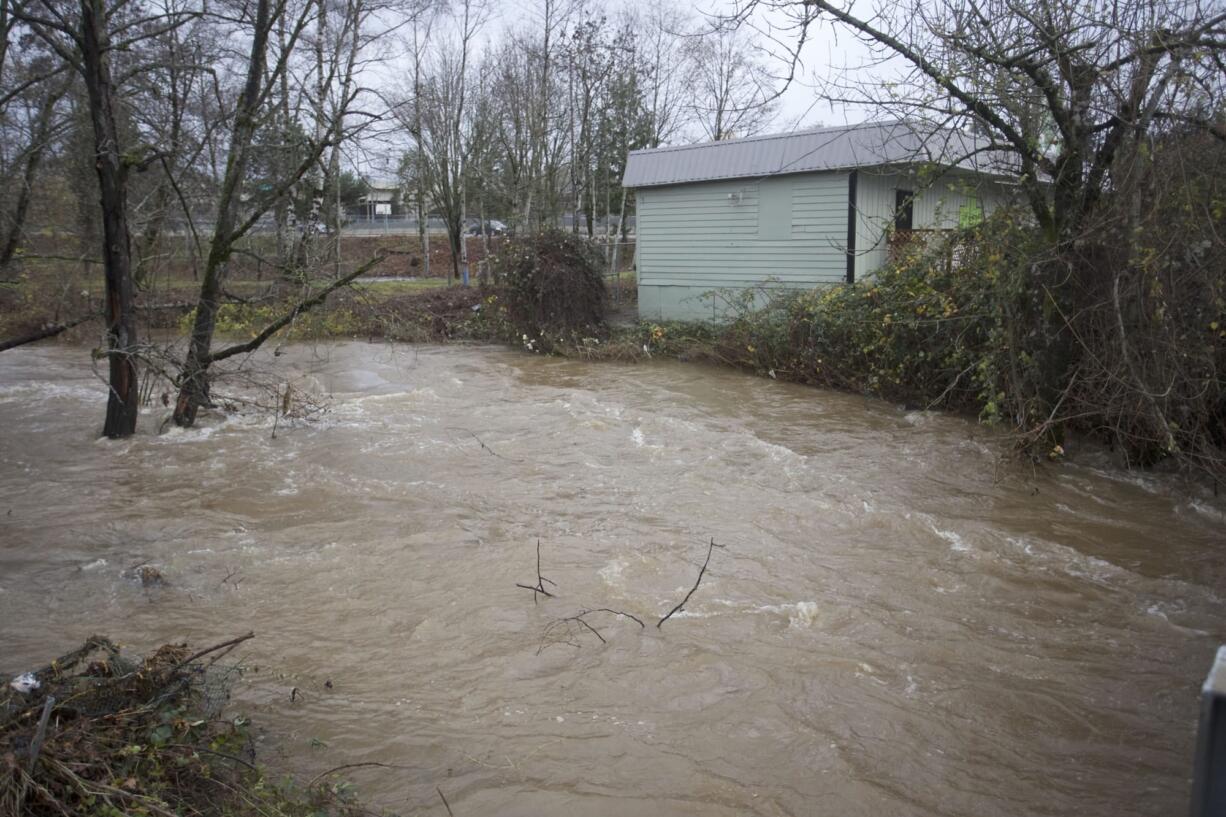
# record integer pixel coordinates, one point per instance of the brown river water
(897, 624)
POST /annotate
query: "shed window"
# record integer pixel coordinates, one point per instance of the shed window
(904, 201)
(775, 209)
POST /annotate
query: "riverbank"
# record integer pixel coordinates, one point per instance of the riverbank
(960, 325)
(96, 731)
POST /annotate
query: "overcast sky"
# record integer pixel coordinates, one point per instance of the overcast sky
(827, 53)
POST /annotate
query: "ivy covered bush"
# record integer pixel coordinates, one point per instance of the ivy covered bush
(551, 288)
(929, 327)
(1109, 338)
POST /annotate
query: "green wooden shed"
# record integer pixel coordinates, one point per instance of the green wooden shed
(797, 210)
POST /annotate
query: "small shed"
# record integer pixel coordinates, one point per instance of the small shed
(380, 198)
(797, 210)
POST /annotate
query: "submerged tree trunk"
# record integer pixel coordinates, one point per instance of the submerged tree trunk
(122, 397)
(194, 378)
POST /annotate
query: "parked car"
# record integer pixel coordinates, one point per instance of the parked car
(492, 227)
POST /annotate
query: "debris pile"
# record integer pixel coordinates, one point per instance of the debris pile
(96, 732)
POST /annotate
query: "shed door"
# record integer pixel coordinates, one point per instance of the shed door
(903, 209)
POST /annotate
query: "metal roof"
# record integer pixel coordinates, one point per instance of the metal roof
(868, 145)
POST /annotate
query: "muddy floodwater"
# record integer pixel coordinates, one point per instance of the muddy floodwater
(896, 624)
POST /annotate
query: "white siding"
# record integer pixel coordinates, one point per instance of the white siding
(710, 235)
(936, 206)
(783, 231)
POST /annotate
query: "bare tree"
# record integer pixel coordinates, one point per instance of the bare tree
(1094, 107)
(590, 60)
(421, 33)
(733, 89)
(87, 38)
(664, 87)
(29, 133)
(439, 118)
(1068, 88)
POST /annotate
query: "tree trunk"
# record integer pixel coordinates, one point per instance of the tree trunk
(423, 230)
(122, 398)
(485, 238)
(34, 156)
(193, 379)
(281, 210)
(617, 244)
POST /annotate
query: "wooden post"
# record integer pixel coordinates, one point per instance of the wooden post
(1209, 778)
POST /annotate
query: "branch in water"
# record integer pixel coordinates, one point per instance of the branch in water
(49, 330)
(568, 638)
(679, 607)
(540, 580)
(299, 308)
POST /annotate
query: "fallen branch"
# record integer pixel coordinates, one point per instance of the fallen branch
(540, 580)
(298, 309)
(485, 447)
(621, 613)
(446, 805)
(48, 330)
(703, 570)
(80, 741)
(40, 733)
(579, 618)
(207, 750)
(344, 766)
(225, 645)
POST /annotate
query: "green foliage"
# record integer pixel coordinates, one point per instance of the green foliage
(352, 188)
(1123, 339)
(248, 320)
(929, 328)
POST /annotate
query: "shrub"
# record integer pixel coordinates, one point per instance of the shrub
(552, 287)
(927, 328)
(1123, 340)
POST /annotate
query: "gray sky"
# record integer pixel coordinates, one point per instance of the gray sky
(825, 55)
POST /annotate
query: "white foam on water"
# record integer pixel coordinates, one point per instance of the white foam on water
(977, 447)
(611, 574)
(1156, 610)
(177, 435)
(1149, 484)
(94, 565)
(801, 614)
(956, 542)
(49, 391)
(1205, 509)
(1022, 544)
(805, 615)
(637, 436)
